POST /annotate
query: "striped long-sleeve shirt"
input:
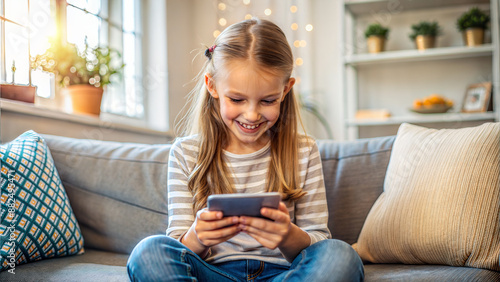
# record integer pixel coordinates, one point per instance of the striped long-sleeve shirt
(248, 174)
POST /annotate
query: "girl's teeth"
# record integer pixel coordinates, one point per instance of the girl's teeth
(248, 126)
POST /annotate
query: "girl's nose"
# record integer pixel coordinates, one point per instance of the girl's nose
(252, 115)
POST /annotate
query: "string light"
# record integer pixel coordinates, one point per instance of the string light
(223, 8)
(300, 43)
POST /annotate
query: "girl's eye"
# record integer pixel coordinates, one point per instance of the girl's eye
(235, 100)
(269, 102)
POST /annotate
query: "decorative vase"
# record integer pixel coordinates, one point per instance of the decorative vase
(425, 42)
(85, 98)
(473, 36)
(376, 43)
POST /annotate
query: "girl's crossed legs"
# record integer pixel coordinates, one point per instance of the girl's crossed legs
(161, 258)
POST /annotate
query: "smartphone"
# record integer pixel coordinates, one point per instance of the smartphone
(243, 203)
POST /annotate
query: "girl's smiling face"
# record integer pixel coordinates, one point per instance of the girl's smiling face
(250, 100)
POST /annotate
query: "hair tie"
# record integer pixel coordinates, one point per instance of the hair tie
(209, 51)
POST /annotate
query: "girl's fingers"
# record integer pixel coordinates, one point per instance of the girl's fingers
(213, 237)
(223, 232)
(282, 207)
(281, 214)
(267, 240)
(257, 232)
(212, 228)
(277, 228)
(205, 214)
(259, 223)
(216, 224)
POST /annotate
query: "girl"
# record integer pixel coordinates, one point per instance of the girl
(244, 138)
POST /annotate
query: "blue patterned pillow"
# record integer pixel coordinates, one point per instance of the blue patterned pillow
(37, 221)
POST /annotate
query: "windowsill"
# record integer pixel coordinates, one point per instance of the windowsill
(108, 121)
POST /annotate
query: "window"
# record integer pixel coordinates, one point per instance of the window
(26, 26)
(17, 42)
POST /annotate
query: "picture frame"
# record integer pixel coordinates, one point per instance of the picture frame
(477, 98)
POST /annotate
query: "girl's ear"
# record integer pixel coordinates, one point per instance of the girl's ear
(288, 86)
(209, 82)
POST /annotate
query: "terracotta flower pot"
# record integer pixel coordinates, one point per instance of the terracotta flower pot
(425, 42)
(85, 98)
(473, 36)
(376, 44)
(22, 93)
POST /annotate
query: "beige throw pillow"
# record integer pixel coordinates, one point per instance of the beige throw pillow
(441, 200)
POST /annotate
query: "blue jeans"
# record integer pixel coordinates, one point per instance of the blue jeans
(161, 258)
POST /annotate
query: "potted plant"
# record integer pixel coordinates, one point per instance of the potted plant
(376, 35)
(424, 34)
(82, 75)
(472, 24)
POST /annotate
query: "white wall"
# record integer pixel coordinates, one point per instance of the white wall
(154, 53)
(190, 25)
(328, 79)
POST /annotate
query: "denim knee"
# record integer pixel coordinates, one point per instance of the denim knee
(339, 249)
(147, 247)
(148, 251)
(338, 260)
(353, 270)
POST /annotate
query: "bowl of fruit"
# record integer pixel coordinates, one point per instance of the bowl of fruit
(432, 104)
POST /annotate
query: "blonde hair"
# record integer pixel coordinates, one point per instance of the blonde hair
(265, 43)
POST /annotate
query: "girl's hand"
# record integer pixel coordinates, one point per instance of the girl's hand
(268, 232)
(281, 233)
(210, 228)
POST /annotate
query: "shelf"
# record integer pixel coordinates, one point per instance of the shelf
(364, 7)
(380, 76)
(424, 118)
(405, 56)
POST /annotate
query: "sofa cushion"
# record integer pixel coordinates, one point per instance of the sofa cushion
(94, 265)
(118, 191)
(404, 272)
(37, 221)
(441, 198)
(354, 177)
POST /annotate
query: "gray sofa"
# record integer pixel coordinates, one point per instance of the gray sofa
(118, 193)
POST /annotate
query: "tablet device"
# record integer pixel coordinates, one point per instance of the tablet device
(243, 203)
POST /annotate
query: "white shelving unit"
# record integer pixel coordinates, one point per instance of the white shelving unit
(427, 118)
(449, 68)
(404, 56)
